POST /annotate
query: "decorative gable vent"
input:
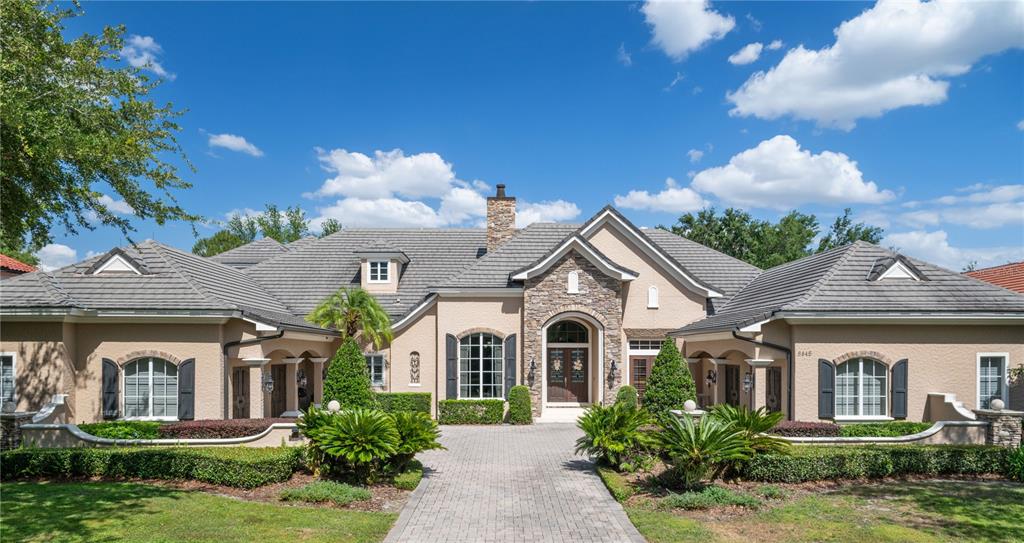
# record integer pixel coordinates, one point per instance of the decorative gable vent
(897, 267)
(116, 262)
(573, 286)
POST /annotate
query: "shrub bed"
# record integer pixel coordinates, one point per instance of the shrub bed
(393, 402)
(793, 428)
(123, 429)
(711, 496)
(519, 409)
(470, 411)
(326, 491)
(217, 429)
(883, 429)
(244, 467)
(875, 461)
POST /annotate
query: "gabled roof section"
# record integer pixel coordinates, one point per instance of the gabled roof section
(842, 282)
(252, 253)
(378, 249)
(1009, 276)
(611, 216)
(117, 260)
(577, 243)
(895, 267)
(14, 265)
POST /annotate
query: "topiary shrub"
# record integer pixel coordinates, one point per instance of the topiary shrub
(470, 411)
(670, 383)
(627, 395)
(347, 379)
(519, 409)
(394, 402)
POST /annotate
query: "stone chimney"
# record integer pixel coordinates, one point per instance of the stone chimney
(501, 219)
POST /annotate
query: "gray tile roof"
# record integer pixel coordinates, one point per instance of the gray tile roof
(525, 247)
(254, 252)
(841, 281)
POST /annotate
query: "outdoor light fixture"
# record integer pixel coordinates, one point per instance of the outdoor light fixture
(748, 382)
(712, 378)
(533, 364)
(268, 381)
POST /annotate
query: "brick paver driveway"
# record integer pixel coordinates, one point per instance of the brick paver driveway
(511, 483)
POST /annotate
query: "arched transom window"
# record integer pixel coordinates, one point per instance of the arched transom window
(481, 366)
(567, 332)
(861, 388)
(150, 388)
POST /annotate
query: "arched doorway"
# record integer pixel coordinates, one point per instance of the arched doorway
(572, 356)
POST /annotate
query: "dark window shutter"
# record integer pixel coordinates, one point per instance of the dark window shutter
(187, 390)
(110, 388)
(510, 363)
(826, 389)
(452, 365)
(899, 389)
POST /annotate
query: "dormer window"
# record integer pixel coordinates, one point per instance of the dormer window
(896, 267)
(379, 271)
(116, 262)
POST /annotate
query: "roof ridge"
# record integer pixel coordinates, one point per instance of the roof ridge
(849, 249)
(682, 237)
(201, 290)
(51, 283)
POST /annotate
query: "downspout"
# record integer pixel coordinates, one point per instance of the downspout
(789, 365)
(227, 374)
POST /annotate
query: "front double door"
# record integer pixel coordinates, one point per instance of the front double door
(567, 375)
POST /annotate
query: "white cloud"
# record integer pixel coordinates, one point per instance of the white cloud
(115, 206)
(749, 53)
(779, 174)
(56, 255)
(142, 52)
(679, 28)
(755, 23)
(462, 204)
(386, 212)
(675, 81)
(978, 206)
(695, 155)
(386, 174)
(546, 211)
(935, 247)
(920, 218)
(1020, 125)
(672, 199)
(775, 45)
(232, 142)
(987, 216)
(898, 53)
(623, 56)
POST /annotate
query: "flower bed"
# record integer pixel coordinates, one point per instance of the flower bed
(217, 429)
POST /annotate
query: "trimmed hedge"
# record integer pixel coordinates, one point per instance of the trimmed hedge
(794, 428)
(393, 402)
(214, 429)
(616, 483)
(470, 411)
(519, 409)
(243, 467)
(875, 461)
(123, 429)
(883, 429)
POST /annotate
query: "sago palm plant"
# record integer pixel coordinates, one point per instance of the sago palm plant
(615, 435)
(696, 452)
(754, 425)
(353, 311)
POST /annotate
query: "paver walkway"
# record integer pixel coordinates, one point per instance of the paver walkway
(511, 483)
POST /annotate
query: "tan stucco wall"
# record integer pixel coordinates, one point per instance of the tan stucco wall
(394, 267)
(43, 361)
(940, 358)
(419, 336)
(459, 316)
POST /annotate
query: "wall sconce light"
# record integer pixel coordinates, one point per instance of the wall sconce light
(712, 378)
(748, 382)
(268, 381)
(533, 365)
(612, 369)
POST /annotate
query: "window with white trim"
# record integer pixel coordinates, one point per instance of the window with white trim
(991, 379)
(645, 344)
(379, 271)
(150, 389)
(375, 367)
(861, 389)
(481, 367)
(7, 380)
(652, 297)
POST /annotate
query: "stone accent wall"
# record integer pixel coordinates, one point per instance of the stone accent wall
(501, 220)
(1004, 427)
(10, 429)
(545, 297)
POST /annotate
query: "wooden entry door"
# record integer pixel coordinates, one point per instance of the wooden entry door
(240, 393)
(732, 385)
(773, 389)
(567, 374)
(278, 403)
(639, 369)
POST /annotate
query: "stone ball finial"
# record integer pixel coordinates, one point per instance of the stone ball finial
(333, 406)
(689, 405)
(996, 405)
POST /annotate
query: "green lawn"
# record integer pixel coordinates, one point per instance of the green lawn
(100, 512)
(898, 511)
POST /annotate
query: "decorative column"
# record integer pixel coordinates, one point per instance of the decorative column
(759, 391)
(719, 380)
(291, 387)
(1004, 426)
(257, 368)
(317, 379)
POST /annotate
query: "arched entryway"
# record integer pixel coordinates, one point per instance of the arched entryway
(572, 346)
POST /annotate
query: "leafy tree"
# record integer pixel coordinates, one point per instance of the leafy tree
(844, 232)
(285, 227)
(330, 226)
(22, 255)
(77, 125)
(243, 227)
(352, 312)
(217, 244)
(971, 266)
(348, 380)
(670, 384)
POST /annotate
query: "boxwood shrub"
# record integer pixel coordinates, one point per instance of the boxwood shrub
(794, 428)
(123, 429)
(244, 467)
(874, 461)
(470, 411)
(404, 401)
(217, 429)
(883, 429)
(519, 409)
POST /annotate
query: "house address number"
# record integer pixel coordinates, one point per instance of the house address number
(805, 353)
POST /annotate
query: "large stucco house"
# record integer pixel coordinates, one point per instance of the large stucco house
(572, 311)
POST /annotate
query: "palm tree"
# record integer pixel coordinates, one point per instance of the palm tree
(351, 311)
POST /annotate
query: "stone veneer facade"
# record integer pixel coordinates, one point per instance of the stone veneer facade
(546, 297)
(1004, 427)
(501, 219)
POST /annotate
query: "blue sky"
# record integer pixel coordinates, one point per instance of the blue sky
(408, 114)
